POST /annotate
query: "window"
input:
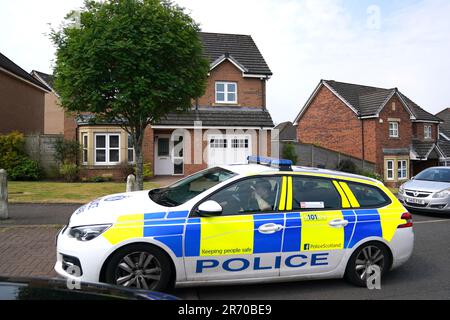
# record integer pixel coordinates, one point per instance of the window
(390, 169)
(239, 143)
(248, 196)
(315, 193)
(190, 187)
(163, 147)
(368, 196)
(130, 150)
(85, 148)
(226, 92)
(402, 168)
(428, 132)
(393, 130)
(218, 143)
(107, 148)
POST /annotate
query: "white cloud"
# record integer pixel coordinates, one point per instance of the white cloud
(303, 41)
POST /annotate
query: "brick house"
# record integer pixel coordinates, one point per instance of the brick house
(444, 137)
(378, 125)
(232, 113)
(22, 100)
(53, 112)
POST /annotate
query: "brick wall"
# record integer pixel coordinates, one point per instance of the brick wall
(250, 90)
(329, 123)
(21, 106)
(405, 130)
(419, 131)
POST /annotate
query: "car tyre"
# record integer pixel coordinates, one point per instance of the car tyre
(140, 266)
(367, 254)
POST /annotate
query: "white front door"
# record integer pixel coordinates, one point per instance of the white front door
(226, 150)
(163, 160)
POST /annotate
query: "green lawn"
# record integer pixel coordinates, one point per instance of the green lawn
(59, 192)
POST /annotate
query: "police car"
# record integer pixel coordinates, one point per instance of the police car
(261, 222)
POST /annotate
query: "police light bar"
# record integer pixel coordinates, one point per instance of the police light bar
(282, 164)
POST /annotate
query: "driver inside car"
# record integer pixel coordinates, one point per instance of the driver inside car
(263, 195)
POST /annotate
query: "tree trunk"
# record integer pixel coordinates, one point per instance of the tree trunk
(139, 165)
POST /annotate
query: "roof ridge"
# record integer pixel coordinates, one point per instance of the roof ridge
(224, 33)
(31, 79)
(360, 85)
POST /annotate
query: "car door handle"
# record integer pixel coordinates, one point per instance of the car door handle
(270, 228)
(338, 223)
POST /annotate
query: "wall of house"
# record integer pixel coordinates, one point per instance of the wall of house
(21, 106)
(393, 111)
(329, 123)
(54, 115)
(250, 90)
(419, 131)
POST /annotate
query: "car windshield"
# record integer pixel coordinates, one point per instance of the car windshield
(434, 174)
(187, 188)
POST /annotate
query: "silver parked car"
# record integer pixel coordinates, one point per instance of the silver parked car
(428, 191)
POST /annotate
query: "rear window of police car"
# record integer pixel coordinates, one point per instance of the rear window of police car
(369, 196)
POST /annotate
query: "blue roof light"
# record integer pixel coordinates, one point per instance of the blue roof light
(282, 164)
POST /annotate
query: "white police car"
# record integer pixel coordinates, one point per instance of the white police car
(239, 224)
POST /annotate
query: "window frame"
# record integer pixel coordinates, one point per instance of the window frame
(323, 209)
(193, 212)
(130, 149)
(387, 169)
(428, 132)
(226, 92)
(85, 148)
(401, 161)
(107, 149)
(394, 132)
(385, 196)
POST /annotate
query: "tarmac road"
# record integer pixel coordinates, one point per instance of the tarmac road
(425, 276)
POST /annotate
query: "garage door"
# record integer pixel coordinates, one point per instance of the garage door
(224, 150)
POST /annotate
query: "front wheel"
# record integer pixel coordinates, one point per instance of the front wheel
(366, 256)
(139, 266)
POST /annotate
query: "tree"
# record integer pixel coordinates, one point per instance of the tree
(289, 152)
(131, 61)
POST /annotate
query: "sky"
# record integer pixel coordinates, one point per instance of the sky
(385, 43)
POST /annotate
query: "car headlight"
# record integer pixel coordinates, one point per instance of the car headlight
(443, 194)
(87, 233)
(401, 190)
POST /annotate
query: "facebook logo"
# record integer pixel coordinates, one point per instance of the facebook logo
(306, 246)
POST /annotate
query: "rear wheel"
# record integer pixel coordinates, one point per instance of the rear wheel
(139, 266)
(365, 258)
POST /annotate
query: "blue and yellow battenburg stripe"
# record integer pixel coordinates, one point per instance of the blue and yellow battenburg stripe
(239, 235)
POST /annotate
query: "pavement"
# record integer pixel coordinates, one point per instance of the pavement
(27, 248)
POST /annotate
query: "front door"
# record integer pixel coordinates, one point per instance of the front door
(163, 161)
(245, 241)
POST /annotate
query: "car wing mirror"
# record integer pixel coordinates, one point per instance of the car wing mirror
(209, 208)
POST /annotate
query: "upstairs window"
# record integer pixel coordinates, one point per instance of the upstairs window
(428, 132)
(393, 130)
(226, 92)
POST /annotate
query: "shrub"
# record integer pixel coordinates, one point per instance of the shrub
(289, 153)
(126, 169)
(347, 166)
(14, 159)
(69, 172)
(147, 173)
(67, 151)
(372, 175)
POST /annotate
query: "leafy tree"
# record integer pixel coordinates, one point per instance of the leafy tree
(129, 60)
(289, 153)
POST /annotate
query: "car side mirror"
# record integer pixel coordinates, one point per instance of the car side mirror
(412, 178)
(209, 208)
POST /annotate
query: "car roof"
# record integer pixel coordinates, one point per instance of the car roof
(246, 169)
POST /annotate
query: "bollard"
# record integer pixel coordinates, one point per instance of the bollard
(131, 183)
(3, 195)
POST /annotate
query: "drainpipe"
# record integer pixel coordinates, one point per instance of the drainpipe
(363, 145)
